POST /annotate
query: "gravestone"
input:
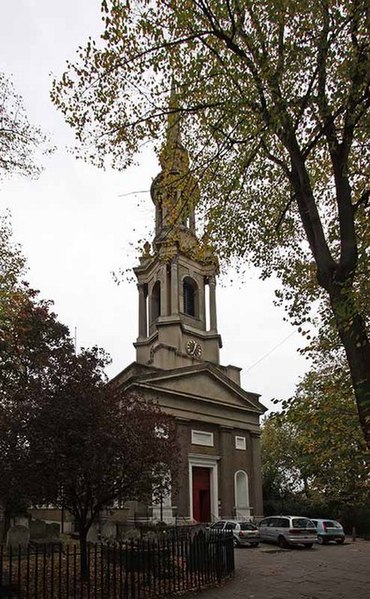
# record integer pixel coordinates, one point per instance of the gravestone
(17, 535)
(44, 536)
(23, 520)
(93, 535)
(37, 529)
(43, 531)
(52, 532)
(109, 531)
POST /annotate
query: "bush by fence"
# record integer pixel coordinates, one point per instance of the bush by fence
(138, 569)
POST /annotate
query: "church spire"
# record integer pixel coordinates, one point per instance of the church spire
(175, 192)
(173, 157)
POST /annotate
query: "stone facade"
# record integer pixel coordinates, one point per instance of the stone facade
(178, 351)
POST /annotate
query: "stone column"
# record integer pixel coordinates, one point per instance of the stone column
(212, 304)
(174, 288)
(257, 476)
(164, 295)
(202, 300)
(143, 325)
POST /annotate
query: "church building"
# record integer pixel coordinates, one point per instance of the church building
(178, 357)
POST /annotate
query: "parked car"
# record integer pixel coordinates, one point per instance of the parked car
(288, 530)
(329, 530)
(244, 533)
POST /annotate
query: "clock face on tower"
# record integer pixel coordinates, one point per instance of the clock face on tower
(194, 349)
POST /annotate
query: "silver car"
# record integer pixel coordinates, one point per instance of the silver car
(244, 533)
(288, 530)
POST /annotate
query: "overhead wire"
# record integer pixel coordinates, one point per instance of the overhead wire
(270, 351)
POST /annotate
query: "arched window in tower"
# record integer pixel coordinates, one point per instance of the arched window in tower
(241, 490)
(156, 301)
(191, 299)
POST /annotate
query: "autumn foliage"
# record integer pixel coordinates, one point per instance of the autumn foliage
(273, 98)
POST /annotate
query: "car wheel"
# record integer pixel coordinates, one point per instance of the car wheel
(282, 542)
(308, 545)
(321, 540)
(340, 542)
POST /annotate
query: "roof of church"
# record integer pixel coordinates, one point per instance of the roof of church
(140, 375)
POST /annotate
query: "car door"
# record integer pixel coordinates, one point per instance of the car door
(264, 529)
(275, 525)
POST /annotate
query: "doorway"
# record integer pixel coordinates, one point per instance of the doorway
(201, 494)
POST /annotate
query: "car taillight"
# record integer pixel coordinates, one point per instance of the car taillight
(241, 534)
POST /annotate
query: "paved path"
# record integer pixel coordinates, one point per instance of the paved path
(323, 572)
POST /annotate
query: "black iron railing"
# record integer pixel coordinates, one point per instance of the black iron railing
(137, 569)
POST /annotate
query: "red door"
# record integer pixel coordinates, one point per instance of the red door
(201, 494)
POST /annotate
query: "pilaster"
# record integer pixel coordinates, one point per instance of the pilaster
(226, 473)
(257, 476)
(212, 304)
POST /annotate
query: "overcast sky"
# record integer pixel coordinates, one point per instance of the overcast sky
(77, 224)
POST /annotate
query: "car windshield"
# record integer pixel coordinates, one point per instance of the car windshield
(302, 523)
(247, 526)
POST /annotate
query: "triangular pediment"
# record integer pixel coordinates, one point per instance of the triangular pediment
(207, 384)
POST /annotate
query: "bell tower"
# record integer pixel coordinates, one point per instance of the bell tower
(177, 274)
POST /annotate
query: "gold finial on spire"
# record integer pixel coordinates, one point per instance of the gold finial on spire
(175, 192)
(173, 119)
(173, 157)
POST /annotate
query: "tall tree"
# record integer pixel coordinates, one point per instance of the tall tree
(66, 435)
(286, 468)
(12, 261)
(33, 344)
(315, 444)
(93, 446)
(274, 97)
(31, 337)
(14, 464)
(21, 143)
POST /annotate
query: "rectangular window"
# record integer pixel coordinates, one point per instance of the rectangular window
(202, 438)
(240, 443)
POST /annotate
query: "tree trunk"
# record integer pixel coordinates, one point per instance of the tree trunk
(352, 331)
(83, 554)
(306, 488)
(6, 525)
(337, 279)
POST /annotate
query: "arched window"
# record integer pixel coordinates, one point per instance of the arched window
(190, 297)
(241, 490)
(156, 301)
